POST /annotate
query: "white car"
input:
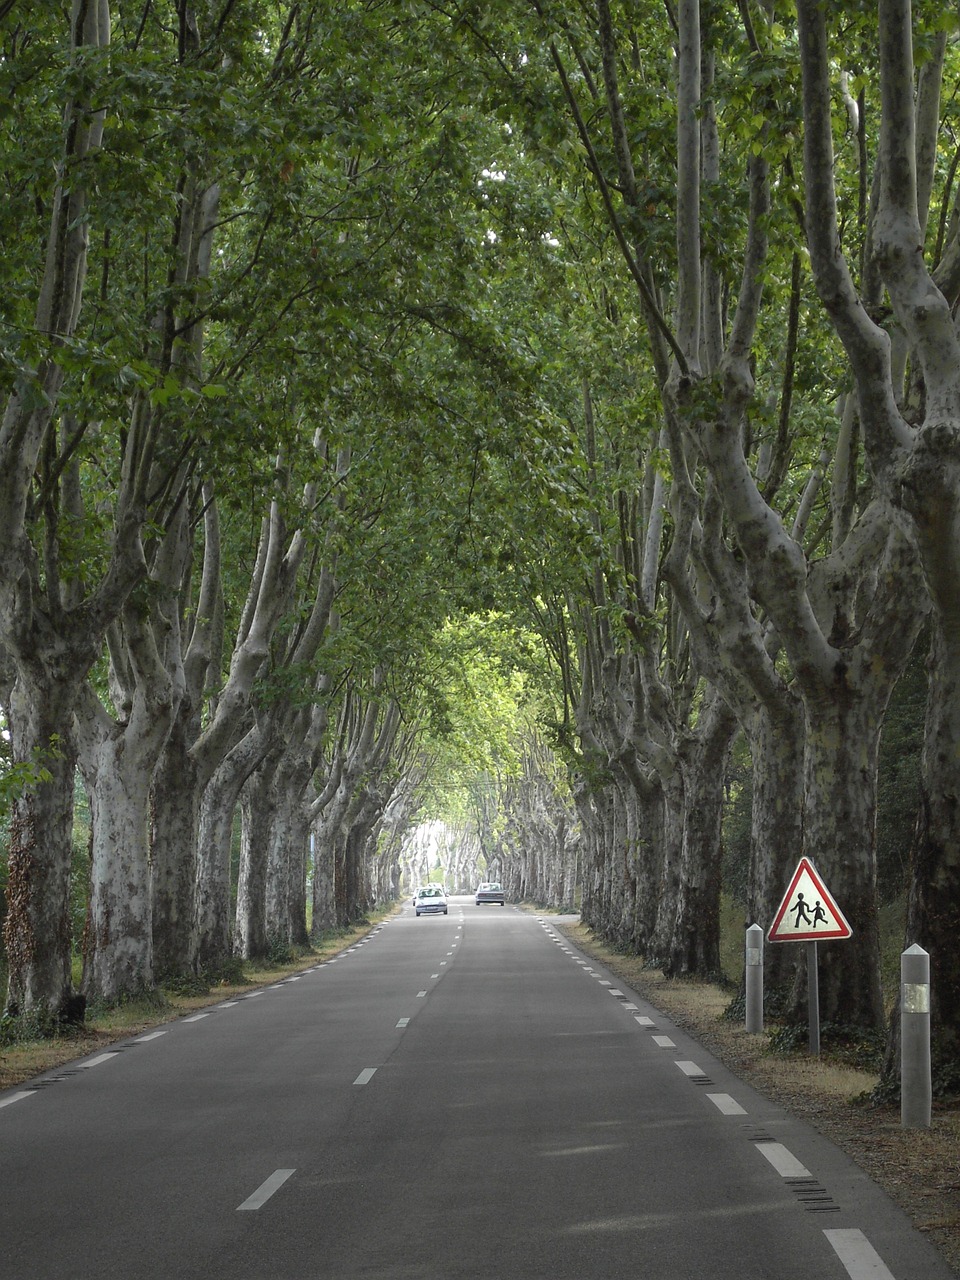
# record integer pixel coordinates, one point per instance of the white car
(430, 900)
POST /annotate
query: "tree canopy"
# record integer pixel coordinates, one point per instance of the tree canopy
(502, 413)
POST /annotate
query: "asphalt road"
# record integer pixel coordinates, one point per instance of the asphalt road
(457, 1096)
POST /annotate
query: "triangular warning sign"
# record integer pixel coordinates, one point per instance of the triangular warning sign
(808, 913)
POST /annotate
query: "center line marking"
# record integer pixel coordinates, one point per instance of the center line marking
(784, 1161)
(267, 1189)
(366, 1075)
(858, 1255)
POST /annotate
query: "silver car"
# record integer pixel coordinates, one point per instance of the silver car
(430, 900)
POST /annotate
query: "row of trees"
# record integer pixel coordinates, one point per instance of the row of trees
(606, 356)
(765, 227)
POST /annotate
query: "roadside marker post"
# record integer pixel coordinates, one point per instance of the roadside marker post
(753, 971)
(809, 914)
(916, 1085)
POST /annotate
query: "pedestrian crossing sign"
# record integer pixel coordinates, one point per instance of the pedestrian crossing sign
(808, 912)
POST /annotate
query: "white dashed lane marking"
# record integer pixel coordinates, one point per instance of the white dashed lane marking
(95, 1062)
(690, 1069)
(784, 1161)
(858, 1255)
(154, 1035)
(266, 1189)
(197, 1017)
(14, 1097)
(725, 1104)
(366, 1075)
(403, 1022)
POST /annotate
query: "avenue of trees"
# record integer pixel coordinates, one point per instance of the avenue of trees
(517, 413)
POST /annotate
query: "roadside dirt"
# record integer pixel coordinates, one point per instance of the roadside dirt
(919, 1169)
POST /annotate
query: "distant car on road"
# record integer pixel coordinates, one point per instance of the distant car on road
(430, 900)
(489, 891)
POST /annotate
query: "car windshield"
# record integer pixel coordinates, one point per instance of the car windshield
(431, 893)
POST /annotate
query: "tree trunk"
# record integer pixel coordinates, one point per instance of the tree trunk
(176, 812)
(37, 930)
(257, 802)
(933, 910)
(695, 946)
(776, 741)
(840, 803)
(214, 920)
(118, 940)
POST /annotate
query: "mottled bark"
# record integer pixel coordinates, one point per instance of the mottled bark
(36, 929)
(695, 943)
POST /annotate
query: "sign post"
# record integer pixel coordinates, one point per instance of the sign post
(809, 914)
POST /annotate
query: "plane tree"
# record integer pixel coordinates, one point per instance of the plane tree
(95, 438)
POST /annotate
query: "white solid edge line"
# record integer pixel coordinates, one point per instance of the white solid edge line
(14, 1097)
(726, 1105)
(266, 1189)
(366, 1075)
(783, 1160)
(861, 1260)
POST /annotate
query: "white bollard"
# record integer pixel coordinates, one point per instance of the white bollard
(916, 1088)
(753, 972)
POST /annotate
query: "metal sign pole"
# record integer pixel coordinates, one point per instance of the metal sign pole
(813, 999)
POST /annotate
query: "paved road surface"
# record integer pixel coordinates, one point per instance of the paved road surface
(458, 1096)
